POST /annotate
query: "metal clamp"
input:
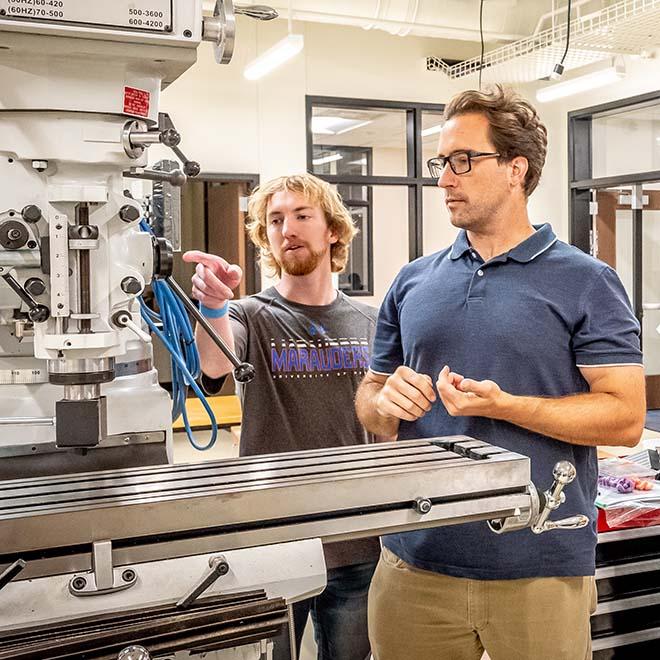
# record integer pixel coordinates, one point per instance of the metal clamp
(219, 567)
(103, 578)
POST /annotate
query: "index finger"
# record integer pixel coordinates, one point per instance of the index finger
(213, 261)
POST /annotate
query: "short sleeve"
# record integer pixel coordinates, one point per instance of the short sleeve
(608, 332)
(387, 352)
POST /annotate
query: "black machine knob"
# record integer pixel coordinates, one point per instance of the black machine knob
(131, 285)
(39, 313)
(129, 213)
(31, 213)
(35, 286)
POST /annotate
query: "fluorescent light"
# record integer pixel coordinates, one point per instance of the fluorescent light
(359, 124)
(327, 159)
(580, 84)
(362, 161)
(278, 54)
(432, 130)
(326, 125)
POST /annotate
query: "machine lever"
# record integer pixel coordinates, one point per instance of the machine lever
(243, 371)
(258, 12)
(219, 567)
(171, 138)
(123, 319)
(175, 177)
(37, 313)
(574, 522)
(11, 572)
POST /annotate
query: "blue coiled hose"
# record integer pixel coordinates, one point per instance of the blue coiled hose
(177, 335)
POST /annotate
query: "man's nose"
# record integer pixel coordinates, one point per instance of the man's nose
(289, 227)
(447, 178)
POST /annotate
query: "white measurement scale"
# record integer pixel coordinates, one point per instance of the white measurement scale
(23, 376)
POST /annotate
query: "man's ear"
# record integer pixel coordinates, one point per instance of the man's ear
(518, 167)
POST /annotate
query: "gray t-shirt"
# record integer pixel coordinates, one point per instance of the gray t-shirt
(308, 364)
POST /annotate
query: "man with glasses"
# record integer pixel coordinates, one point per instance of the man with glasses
(518, 339)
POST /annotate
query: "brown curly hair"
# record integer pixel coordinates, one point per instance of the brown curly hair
(515, 126)
(316, 192)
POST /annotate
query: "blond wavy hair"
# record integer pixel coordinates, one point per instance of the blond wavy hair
(316, 192)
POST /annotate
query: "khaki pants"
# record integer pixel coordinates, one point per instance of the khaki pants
(420, 615)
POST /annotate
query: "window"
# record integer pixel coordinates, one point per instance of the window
(369, 149)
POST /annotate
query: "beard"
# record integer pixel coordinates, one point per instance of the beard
(293, 264)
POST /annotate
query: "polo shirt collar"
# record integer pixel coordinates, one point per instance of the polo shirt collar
(528, 250)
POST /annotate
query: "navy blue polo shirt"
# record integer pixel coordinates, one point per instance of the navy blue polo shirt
(527, 319)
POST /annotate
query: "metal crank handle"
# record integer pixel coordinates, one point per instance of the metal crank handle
(243, 371)
(563, 473)
(134, 653)
(574, 522)
(219, 567)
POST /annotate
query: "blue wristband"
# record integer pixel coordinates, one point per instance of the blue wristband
(214, 313)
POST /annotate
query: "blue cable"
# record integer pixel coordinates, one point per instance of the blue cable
(179, 339)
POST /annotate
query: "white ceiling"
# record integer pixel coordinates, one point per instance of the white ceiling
(503, 20)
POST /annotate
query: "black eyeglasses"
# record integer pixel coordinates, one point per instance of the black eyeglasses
(460, 162)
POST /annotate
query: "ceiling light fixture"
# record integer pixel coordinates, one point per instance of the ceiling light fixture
(581, 84)
(327, 159)
(326, 125)
(282, 51)
(432, 130)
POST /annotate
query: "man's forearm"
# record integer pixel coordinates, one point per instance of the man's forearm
(365, 405)
(214, 362)
(595, 418)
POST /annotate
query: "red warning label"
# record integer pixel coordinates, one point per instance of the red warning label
(136, 101)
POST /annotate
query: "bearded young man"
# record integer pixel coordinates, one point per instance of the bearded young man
(310, 345)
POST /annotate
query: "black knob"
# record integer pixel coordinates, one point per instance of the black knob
(244, 373)
(170, 137)
(39, 314)
(31, 213)
(192, 168)
(129, 213)
(35, 286)
(131, 285)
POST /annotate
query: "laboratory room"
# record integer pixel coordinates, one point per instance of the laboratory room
(330, 330)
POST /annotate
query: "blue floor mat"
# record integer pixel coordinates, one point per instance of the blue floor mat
(653, 420)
